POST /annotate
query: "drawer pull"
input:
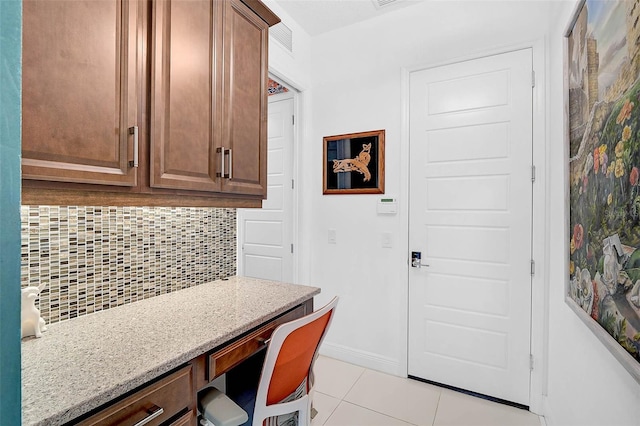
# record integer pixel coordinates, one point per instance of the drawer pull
(153, 412)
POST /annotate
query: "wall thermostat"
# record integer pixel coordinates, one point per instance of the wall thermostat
(387, 205)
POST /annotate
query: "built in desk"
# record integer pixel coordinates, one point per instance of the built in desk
(115, 365)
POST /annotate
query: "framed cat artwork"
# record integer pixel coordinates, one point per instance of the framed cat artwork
(353, 163)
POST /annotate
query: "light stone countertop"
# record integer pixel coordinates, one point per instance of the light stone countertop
(82, 363)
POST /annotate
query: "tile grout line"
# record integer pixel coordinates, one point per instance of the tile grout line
(332, 411)
(354, 383)
(378, 412)
(343, 397)
(369, 409)
(435, 415)
(434, 422)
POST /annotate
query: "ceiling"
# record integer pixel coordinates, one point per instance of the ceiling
(321, 16)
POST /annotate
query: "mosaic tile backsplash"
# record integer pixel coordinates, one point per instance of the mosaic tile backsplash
(96, 258)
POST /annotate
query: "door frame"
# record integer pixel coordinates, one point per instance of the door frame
(540, 218)
(297, 112)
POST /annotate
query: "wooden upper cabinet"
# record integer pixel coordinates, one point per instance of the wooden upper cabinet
(185, 112)
(79, 91)
(209, 103)
(246, 38)
(181, 86)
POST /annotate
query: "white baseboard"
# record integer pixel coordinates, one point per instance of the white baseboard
(546, 412)
(362, 358)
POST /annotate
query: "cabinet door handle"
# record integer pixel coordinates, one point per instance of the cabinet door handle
(224, 152)
(134, 131)
(153, 413)
(221, 151)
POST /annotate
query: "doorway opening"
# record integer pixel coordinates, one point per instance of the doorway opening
(266, 236)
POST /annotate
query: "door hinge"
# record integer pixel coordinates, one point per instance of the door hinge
(533, 173)
(533, 78)
(293, 120)
(533, 267)
(292, 184)
(531, 362)
(291, 248)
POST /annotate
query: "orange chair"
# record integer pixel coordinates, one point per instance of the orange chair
(288, 365)
(286, 382)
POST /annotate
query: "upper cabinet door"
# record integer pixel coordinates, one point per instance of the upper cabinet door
(245, 100)
(79, 89)
(184, 92)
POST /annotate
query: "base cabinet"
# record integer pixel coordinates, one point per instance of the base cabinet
(145, 102)
(169, 397)
(172, 399)
(187, 419)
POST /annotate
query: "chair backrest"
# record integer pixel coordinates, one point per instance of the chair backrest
(291, 353)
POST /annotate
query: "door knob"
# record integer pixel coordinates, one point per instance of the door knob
(416, 257)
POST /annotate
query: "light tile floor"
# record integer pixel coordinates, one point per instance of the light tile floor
(348, 395)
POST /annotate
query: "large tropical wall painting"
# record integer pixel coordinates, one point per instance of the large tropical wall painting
(604, 151)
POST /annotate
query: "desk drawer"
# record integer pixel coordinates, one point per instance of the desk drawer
(172, 394)
(232, 355)
(187, 419)
(228, 357)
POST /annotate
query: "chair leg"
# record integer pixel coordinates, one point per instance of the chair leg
(312, 411)
(304, 415)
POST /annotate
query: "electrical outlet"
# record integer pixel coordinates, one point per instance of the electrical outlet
(387, 240)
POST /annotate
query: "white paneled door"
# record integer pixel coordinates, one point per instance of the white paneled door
(265, 236)
(471, 218)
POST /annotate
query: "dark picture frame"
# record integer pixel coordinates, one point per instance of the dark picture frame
(602, 114)
(353, 163)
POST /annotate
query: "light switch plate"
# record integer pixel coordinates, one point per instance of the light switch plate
(332, 236)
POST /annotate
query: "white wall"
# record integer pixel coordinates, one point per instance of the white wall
(357, 86)
(291, 66)
(586, 385)
(294, 69)
(353, 82)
